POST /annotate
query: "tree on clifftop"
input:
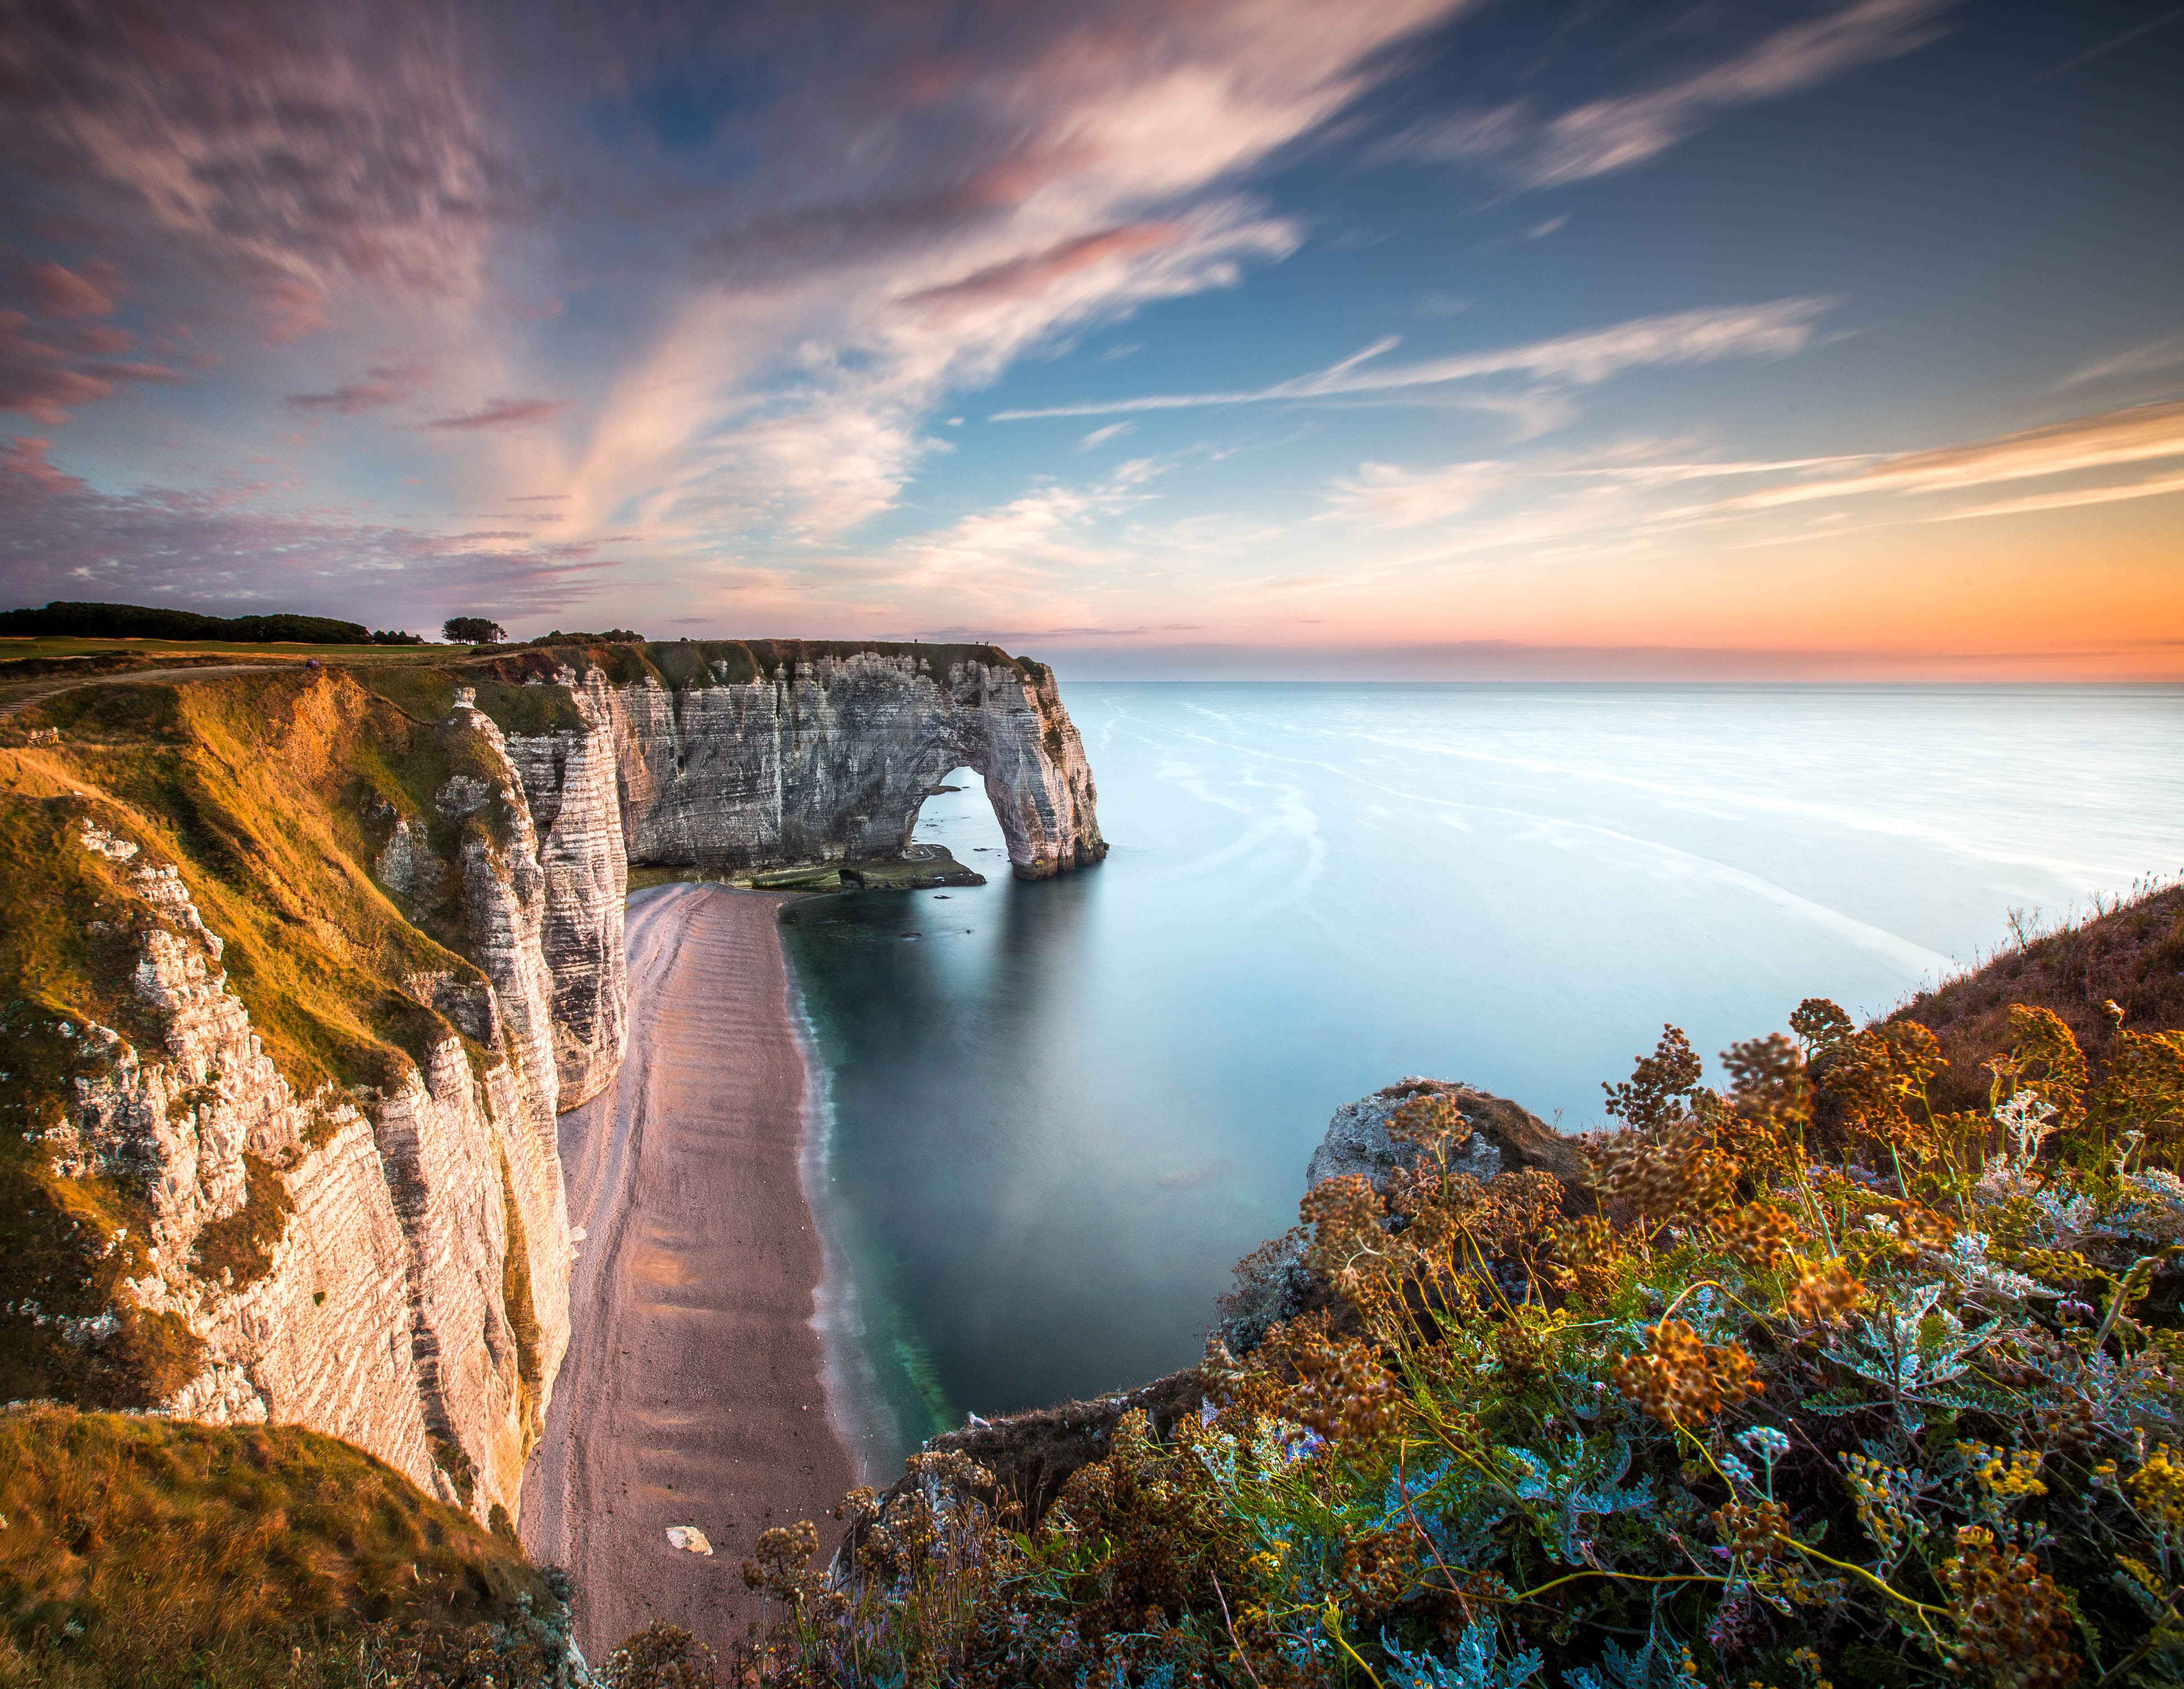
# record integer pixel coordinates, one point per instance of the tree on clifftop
(472, 630)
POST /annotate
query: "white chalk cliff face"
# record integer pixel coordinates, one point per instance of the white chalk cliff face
(828, 759)
(417, 1302)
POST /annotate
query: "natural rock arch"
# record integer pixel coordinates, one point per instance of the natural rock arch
(825, 755)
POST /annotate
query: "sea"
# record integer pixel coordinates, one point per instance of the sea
(1048, 1117)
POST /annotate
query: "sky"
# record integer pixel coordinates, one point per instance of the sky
(1740, 339)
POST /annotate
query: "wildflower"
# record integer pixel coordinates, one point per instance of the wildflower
(2006, 1477)
(2158, 1487)
(1682, 1381)
(1675, 1178)
(1749, 1529)
(1763, 1236)
(1766, 1444)
(779, 1567)
(1887, 1500)
(1824, 1293)
(2011, 1620)
(1805, 1659)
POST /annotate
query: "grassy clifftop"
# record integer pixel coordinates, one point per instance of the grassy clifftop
(2131, 955)
(149, 1553)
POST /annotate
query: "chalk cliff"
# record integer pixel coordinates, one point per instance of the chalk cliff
(775, 753)
(386, 1259)
(415, 1299)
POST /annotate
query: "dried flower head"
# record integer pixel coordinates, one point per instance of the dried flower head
(1823, 1293)
(1431, 1121)
(1682, 1381)
(1749, 1529)
(1762, 1236)
(778, 1563)
(2011, 1620)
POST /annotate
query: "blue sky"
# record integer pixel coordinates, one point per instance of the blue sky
(1253, 336)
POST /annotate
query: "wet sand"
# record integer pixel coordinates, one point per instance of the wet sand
(691, 1391)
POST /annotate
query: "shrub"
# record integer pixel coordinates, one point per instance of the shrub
(1832, 1382)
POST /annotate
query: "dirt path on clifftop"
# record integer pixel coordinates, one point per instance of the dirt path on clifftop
(690, 1394)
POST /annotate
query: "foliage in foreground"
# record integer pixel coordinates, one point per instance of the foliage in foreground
(1825, 1384)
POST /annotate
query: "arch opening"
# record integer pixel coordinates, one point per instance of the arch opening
(959, 818)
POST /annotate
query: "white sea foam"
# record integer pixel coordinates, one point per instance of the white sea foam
(856, 1406)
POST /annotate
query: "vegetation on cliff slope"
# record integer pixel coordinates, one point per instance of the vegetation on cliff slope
(1831, 1385)
(269, 795)
(149, 1553)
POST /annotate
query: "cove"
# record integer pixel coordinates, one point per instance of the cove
(1058, 1114)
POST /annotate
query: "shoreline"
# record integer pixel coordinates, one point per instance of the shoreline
(856, 1406)
(695, 1391)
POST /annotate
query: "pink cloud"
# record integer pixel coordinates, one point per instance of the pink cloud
(380, 386)
(61, 292)
(1029, 276)
(505, 413)
(43, 373)
(1605, 136)
(61, 537)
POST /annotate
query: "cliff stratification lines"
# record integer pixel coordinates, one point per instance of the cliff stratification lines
(690, 1394)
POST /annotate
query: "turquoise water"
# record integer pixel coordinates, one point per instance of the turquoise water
(1058, 1114)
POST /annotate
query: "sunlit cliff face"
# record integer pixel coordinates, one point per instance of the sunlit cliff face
(1257, 336)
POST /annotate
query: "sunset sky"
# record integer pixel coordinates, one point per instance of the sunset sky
(1740, 338)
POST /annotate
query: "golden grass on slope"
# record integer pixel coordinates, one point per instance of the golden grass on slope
(2131, 955)
(159, 1551)
(260, 790)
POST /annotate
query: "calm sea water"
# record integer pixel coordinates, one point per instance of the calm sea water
(1054, 1115)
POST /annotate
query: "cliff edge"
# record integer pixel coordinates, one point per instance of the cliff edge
(298, 967)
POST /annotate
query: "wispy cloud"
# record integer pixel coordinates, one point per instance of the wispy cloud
(2165, 353)
(65, 538)
(1774, 329)
(1385, 495)
(1100, 436)
(2151, 488)
(1614, 134)
(59, 348)
(378, 388)
(2133, 436)
(505, 413)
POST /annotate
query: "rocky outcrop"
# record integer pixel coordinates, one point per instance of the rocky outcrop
(828, 758)
(1505, 1138)
(1272, 1283)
